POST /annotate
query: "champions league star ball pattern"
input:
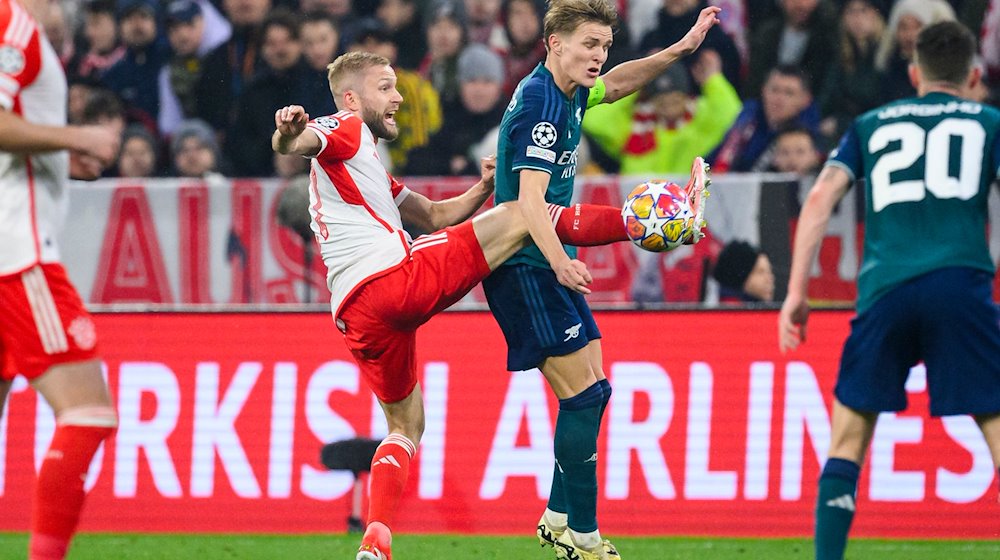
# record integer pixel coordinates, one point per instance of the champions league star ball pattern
(658, 216)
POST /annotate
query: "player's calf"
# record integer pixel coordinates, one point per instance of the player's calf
(59, 493)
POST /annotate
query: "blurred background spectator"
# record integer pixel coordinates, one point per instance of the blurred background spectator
(852, 85)
(523, 25)
(483, 23)
(228, 68)
(795, 151)
(674, 20)
(446, 35)
(403, 23)
(479, 108)
(803, 35)
(320, 46)
(134, 77)
(100, 35)
(899, 42)
(663, 128)
(139, 152)
(194, 152)
(419, 116)
(785, 99)
(190, 41)
(281, 81)
(744, 274)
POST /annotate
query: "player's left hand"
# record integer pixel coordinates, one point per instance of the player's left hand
(707, 19)
(488, 170)
(792, 322)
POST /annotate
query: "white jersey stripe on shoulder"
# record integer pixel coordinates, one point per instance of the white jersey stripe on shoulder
(421, 242)
(428, 245)
(16, 14)
(429, 237)
(20, 28)
(6, 101)
(29, 29)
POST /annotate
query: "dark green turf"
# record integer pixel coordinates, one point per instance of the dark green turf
(434, 547)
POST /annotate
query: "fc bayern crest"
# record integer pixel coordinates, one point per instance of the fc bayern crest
(544, 135)
(11, 60)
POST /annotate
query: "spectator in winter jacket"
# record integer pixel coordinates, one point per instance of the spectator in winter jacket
(660, 130)
(785, 100)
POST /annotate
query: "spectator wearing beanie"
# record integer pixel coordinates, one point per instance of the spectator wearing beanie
(479, 108)
(194, 151)
(744, 274)
(138, 153)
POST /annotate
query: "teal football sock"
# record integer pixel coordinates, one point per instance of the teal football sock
(557, 494)
(576, 456)
(835, 507)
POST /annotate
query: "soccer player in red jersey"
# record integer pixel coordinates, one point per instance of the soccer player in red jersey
(45, 332)
(383, 284)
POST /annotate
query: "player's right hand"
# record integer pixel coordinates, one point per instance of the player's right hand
(573, 274)
(291, 120)
(792, 322)
(98, 142)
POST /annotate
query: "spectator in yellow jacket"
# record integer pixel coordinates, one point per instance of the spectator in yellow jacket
(660, 129)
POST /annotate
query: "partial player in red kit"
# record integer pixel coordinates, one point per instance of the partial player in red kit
(46, 334)
(384, 285)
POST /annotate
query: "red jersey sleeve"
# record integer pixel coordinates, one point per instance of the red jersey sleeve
(20, 51)
(340, 135)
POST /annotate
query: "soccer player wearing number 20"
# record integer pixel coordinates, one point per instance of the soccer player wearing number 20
(924, 291)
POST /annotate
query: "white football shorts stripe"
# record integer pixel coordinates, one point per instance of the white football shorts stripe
(43, 309)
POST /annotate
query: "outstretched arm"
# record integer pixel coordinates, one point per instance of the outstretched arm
(830, 187)
(19, 136)
(630, 76)
(428, 215)
(289, 135)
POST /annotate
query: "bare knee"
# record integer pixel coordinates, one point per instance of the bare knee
(990, 426)
(851, 432)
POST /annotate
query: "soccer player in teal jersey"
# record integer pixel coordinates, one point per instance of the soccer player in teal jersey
(537, 296)
(924, 290)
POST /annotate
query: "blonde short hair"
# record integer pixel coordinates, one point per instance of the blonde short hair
(347, 67)
(565, 16)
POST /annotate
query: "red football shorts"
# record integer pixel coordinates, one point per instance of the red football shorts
(42, 322)
(380, 319)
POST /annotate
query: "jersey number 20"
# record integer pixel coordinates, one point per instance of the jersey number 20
(936, 146)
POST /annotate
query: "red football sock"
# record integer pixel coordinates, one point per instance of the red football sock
(390, 467)
(585, 225)
(59, 491)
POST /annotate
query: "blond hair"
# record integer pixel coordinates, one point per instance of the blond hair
(565, 16)
(343, 71)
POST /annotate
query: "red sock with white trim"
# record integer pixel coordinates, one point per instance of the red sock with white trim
(389, 470)
(585, 225)
(59, 493)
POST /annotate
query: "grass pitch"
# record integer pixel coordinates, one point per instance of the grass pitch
(433, 547)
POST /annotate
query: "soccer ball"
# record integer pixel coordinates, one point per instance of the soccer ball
(658, 216)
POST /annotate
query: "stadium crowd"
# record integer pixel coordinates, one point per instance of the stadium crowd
(194, 84)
